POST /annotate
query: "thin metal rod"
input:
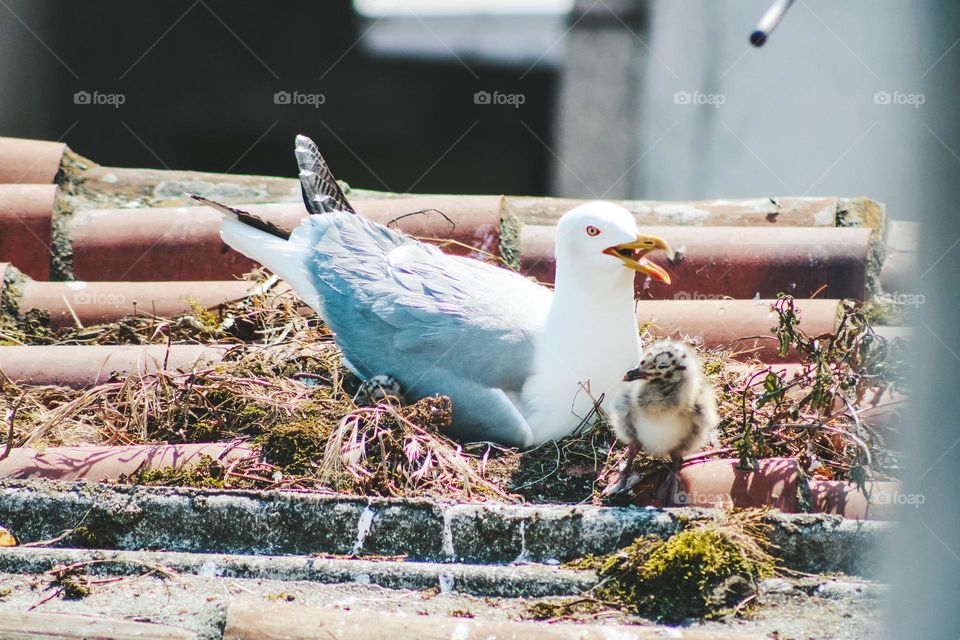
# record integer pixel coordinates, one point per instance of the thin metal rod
(769, 22)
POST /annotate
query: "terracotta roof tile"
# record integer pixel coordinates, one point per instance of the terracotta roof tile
(25, 161)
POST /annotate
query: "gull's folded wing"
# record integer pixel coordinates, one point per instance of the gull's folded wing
(473, 319)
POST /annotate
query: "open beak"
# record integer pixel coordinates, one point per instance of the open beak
(634, 374)
(633, 254)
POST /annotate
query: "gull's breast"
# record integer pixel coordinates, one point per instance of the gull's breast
(569, 378)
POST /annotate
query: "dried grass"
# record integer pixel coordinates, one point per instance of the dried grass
(282, 386)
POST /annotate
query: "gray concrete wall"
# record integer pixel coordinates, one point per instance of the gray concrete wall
(795, 117)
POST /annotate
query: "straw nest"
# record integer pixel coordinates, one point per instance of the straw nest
(282, 387)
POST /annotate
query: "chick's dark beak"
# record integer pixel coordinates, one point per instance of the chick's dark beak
(635, 374)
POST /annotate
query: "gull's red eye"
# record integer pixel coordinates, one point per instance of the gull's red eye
(593, 231)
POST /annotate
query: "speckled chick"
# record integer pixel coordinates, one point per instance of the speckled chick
(376, 388)
(665, 407)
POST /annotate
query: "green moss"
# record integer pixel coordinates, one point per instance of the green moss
(226, 414)
(223, 398)
(35, 326)
(88, 538)
(12, 291)
(204, 431)
(701, 572)
(207, 320)
(103, 530)
(72, 582)
(564, 471)
(295, 446)
(282, 596)
(251, 415)
(714, 366)
(460, 613)
(510, 227)
(207, 473)
(882, 311)
(61, 247)
(563, 608)
(74, 589)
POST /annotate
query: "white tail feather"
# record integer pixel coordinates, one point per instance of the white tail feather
(286, 258)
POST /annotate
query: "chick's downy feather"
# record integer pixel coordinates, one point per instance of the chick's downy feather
(668, 408)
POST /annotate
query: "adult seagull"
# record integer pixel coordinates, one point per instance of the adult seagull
(522, 364)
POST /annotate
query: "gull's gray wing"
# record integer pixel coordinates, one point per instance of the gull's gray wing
(398, 305)
(482, 317)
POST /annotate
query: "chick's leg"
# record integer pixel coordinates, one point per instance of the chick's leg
(668, 491)
(623, 482)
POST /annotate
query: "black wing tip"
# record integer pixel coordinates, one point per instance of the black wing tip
(213, 204)
(245, 217)
(209, 202)
(320, 190)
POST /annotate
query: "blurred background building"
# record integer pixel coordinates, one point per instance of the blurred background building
(593, 98)
(388, 96)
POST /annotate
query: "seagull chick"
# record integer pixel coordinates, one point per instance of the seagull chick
(667, 408)
(376, 388)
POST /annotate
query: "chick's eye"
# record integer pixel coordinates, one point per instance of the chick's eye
(593, 231)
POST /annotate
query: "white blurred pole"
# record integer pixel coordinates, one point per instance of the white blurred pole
(924, 562)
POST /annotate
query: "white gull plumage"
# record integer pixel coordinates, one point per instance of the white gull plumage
(522, 364)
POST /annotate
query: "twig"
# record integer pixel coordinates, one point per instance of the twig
(707, 454)
(7, 336)
(73, 313)
(108, 580)
(166, 353)
(43, 543)
(473, 250)
(45, 600)
(743, 603)
(859, 425)
(10, 421)
(154, 568)
(237, 474)
(453, 225)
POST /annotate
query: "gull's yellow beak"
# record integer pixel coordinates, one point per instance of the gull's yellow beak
(633, 255)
